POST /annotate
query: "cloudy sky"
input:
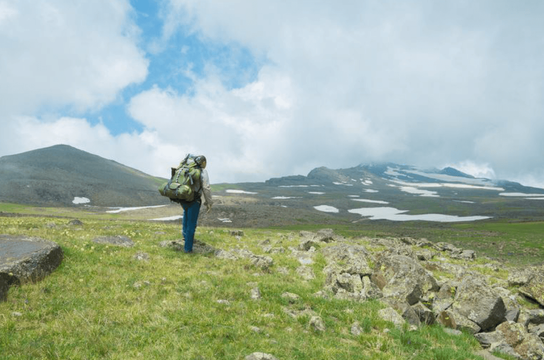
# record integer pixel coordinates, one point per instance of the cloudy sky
(273, 88)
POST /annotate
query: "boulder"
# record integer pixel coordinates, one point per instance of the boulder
(389, 314)
(534, 289)
(24, 259)
(405, 278)
(351, 259)
(479, 303)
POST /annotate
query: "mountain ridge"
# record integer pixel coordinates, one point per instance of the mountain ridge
(59, 174)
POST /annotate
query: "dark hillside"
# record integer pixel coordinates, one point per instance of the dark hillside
(57, 175)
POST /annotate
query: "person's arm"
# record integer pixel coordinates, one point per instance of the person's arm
(206, 189)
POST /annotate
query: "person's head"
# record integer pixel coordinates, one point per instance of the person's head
(201, 161)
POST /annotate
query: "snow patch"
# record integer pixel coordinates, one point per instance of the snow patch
(372, 201)
(371, 191)
(118, 210)
(420, 192)
(326, 208)
(81, 200)
(389, 213)
(316, 192)
(170, 218)
(517, 194)
(233, 191)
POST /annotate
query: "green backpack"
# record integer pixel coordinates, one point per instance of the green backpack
(185, 181)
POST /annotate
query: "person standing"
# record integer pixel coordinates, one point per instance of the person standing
(191, 209)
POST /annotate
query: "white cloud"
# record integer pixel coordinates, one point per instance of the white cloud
(414, 83)
(341, 83)
(58, 53)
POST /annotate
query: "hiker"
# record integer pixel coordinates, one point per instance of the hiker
(191, 209)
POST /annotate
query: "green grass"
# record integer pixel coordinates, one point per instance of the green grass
(103, 303)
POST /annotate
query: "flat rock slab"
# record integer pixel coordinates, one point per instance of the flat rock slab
(25, 259)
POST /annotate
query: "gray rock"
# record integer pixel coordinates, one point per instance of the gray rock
(538, 330)
(255, 294)
(263, 262)
(389, 314)
(534, 316)
(116, 240)
(424, 314)
(306, 272)
(405, 279)
(26, 259)
(237, 233)
(260, 356)
(75, 222)
(356, 329)
(479, 303)
(317, 324)
(404, 310)
(534, 289)
(141, 256)
(351, 259)
(512, 306)
(519, 276)
(290, 297)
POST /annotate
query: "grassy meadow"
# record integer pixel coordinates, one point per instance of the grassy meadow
(105, 303)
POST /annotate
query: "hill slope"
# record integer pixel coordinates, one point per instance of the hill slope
(59, 174)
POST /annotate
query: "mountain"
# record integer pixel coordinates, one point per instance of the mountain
(62, 175)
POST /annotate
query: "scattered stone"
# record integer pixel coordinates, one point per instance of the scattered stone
(75, 222)
(16, 314)
(290, 297)
(317, 324)
(263, 262)
(306, 272)
(260, 356)
(255, 294)
(116, 240)
(224, 302)
(141, 256)
(236, 233)
(356, 329)
(255, 329)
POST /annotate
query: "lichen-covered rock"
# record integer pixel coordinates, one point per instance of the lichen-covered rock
(476, 301)
(534, 289)
(306, 272)
(389, 314)
(425, 314)
(405, 278)
(351, 259)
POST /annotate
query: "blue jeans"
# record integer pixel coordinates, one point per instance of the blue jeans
(190, 219)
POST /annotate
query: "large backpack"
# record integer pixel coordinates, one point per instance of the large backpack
(185, 181)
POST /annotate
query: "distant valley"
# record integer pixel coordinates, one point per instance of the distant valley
(64, 176)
